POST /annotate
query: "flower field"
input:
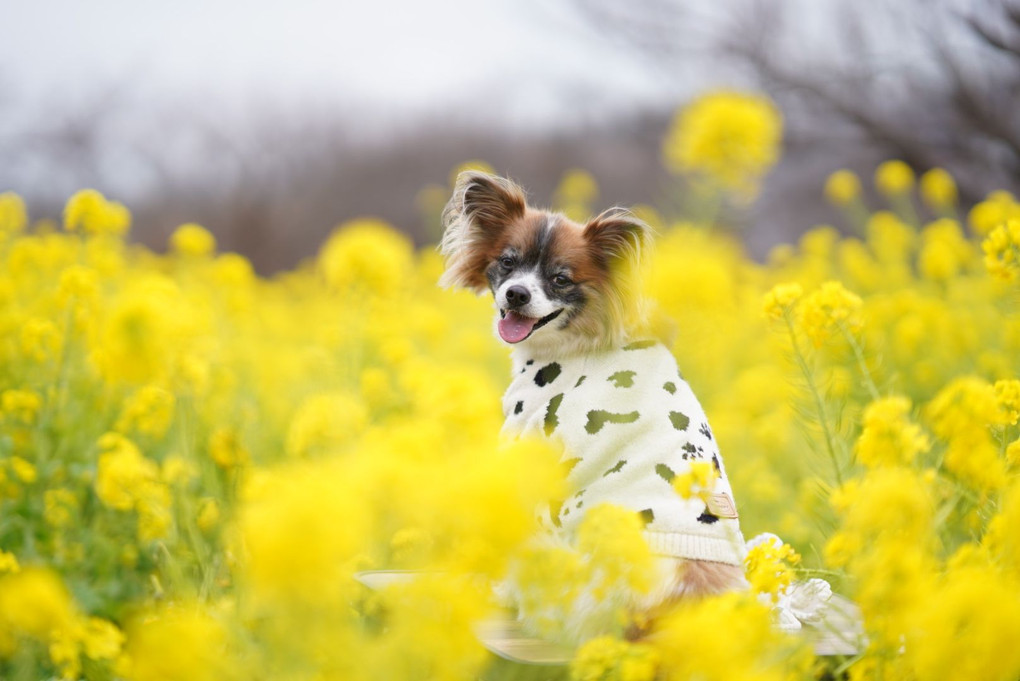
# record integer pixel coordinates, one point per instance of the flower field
(195, 460)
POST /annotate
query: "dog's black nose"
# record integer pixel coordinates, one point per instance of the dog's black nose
(516, 296)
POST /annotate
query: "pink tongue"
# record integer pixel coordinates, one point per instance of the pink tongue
(513, 328)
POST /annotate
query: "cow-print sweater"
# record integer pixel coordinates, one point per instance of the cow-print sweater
(629, 424)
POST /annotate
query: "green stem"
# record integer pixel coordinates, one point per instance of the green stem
(817, 396)
(862, 365)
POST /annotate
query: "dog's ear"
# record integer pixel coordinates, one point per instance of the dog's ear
(488, 201)
(482, 206)
(616, 237)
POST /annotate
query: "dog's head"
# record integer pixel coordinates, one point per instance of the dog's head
(559, 286)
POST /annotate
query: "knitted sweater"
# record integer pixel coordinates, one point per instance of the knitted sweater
(629, 424)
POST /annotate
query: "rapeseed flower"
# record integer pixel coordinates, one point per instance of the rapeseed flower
(122, 472)
(725, 637)
(998, 207)
(1002, 248)
(938, 189)
(894, 178)
(193, 240)
(13, 215)
(842, 187)
(607, 658)
(262, 440)
(729, 139)
(769, 566)
(91, 213)
(889, 437)
(201, 649)
(366, 253)
(828, 309)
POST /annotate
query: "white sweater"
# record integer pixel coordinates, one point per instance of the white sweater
(628, 423)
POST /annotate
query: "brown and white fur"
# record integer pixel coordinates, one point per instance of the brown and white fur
(560, 289)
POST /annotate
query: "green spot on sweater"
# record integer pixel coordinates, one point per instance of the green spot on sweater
(597, 418)
(623, 379)
(670, 387)
(648, 516)
(615, 469)
(665, 472)
(679, 421)
(551, 420)
(547, 374)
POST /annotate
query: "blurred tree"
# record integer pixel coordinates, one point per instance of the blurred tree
(933, 82)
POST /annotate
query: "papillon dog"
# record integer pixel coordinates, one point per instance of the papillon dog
(568, 303)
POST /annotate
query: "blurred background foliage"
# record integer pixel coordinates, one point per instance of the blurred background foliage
(272, 169)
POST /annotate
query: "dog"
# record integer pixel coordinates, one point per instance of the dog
(567, 302)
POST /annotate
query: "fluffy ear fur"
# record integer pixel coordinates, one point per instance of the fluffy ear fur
(481, 207)
(617, 238)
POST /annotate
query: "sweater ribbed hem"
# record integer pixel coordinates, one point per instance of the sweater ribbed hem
(695, 547)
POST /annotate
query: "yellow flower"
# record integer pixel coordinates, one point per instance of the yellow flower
(944, 250)
(40, 340)
(723, 638)
(200, 651)
(997, 208)
(149, 411)
(780, 300)
(894, 178)
(607, 658)
(8, 562)
(192, 240)
(143, 330)
(178, 470)
(208, 514)
(21, 405)
(1007, 392)
(226, 448)
(34, 602)
(888, 436)
(768, 565)
(698, 480)
(101, 639)
(612, 539)
(79, 284)
(325, 423)
(1002, 250)
(152, 501)
(65, 653)
(59, 506)
(887, 503)
(13, 214)
(842, 187)
(938, 189)
(301, 534)
(967, 628)
(24, 470)
(121, 472)
(731, 139)
(366, 254)
(1002, 539)
(90, 212)
(965, 406)
(829, 307)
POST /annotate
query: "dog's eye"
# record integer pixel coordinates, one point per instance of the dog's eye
(561, 280)
(506, 262)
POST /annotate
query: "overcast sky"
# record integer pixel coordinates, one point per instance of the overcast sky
(397, 55)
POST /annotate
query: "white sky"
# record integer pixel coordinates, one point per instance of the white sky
(397, 55)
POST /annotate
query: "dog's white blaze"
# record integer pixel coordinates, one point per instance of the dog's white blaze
(538, 306)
